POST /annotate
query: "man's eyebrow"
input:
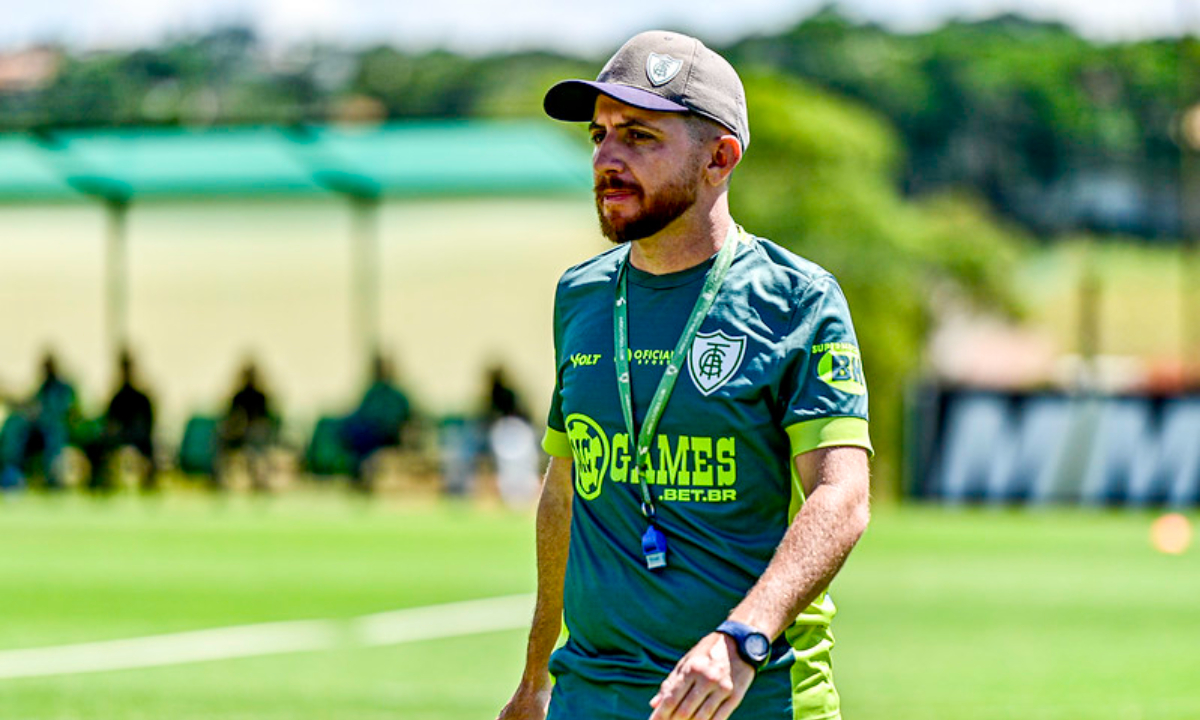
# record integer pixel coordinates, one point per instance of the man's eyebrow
(634, 123)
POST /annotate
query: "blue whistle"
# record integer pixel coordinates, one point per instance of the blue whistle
(654, 547)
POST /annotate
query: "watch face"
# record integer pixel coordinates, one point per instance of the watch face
(757, 646)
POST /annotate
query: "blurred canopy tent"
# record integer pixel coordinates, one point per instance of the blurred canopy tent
(123, 166)
(398, 159)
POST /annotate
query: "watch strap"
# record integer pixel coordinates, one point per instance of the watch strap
(741, 632)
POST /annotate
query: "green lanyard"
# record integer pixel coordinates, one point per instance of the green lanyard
(712, 284)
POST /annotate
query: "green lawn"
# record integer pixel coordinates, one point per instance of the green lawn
(944, 614)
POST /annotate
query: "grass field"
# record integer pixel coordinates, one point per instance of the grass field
(1063, 615)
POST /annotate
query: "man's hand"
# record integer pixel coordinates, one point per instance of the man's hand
(527, 703)
(707, 684)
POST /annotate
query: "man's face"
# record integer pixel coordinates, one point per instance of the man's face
(646, 168)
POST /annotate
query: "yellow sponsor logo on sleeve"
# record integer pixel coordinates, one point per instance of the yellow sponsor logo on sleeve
(840, 367)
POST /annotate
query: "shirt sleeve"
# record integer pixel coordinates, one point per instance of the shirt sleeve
(555, 441)
(824, 390)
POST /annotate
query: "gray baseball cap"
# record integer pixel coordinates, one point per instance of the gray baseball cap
(663, 71)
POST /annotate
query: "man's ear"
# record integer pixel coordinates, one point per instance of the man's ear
(726, 154)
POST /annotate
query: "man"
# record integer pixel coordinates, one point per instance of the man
(248, 428)
(129, 422)
(379, 421)
(44, 425)
(687, 533)
(512, 440)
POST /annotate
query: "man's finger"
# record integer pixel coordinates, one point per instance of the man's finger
(671, 693)
(658, 696)
(691, 702)
(663, 689)
(712, 705)
(731, 703)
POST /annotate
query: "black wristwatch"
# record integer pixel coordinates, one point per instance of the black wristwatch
(753, 646)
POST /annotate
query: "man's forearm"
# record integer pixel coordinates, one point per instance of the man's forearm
(553, 533)
(833, 518)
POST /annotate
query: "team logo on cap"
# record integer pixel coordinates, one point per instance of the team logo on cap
(713, 359)
(661, 68)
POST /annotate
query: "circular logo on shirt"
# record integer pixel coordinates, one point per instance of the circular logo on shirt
(840, 367)
(589, 445)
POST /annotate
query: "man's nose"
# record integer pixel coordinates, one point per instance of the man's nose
(607, 158)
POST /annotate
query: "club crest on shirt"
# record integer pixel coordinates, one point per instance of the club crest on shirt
(661, 68)
(713, 360)
(589, 446)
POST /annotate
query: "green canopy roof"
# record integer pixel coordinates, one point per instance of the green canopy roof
(399, 159)
(25, 174)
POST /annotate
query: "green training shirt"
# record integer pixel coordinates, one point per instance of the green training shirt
(774, 372)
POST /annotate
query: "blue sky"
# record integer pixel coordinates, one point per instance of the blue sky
(583, 27)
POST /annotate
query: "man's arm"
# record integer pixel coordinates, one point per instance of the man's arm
(711, 679)
(532, 697)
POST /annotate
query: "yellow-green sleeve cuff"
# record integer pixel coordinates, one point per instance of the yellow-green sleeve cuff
(556, 444)
(829, 432)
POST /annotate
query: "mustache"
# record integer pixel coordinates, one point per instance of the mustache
(607, 182)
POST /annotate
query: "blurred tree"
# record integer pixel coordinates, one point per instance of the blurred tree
(86, 92)
(513, 85)
(1055, 131)
(820, 179)
(1027, 113)
(436, 84)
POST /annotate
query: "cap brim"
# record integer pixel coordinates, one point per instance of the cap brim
(575, 100)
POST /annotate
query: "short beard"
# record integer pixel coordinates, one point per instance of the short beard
(659, 211)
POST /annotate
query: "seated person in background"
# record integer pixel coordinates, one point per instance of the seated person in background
(11, 423)
(512, 442)
(248, 429)
(503, 398)
(380, 419)
(42, 426)
(129, 422)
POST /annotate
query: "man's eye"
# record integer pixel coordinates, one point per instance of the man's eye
(639, 135)
(597, 137)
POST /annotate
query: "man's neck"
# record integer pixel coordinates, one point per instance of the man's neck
(681, 245)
